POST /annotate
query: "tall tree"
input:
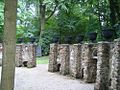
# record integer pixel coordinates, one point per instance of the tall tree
(43, 10)
(9, 45)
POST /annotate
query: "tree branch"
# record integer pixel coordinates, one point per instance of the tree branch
(51, 13)
(41, 2)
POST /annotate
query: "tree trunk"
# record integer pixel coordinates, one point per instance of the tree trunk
(9, 45)
(42, 20)
(115, 11)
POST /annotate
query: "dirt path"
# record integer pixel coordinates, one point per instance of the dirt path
(40, 79)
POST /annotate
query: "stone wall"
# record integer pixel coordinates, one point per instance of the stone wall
(99, 63)
(25, 55)
(89, 63)
(102, 80)
(75, 61)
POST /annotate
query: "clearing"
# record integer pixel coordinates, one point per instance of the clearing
(39, 78)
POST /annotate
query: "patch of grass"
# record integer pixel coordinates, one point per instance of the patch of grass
(43, 60)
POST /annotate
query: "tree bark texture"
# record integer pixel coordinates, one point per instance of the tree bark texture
(42, 20)
(9, 45)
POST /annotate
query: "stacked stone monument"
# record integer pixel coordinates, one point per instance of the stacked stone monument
(75, 61)
(89, 64)
(103, 67)
(52, 67)
(19, 58)
(115, 67)
(64, 59)
(25, 55)
(28, 54)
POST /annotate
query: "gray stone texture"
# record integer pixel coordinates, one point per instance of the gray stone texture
(64, 59)
(75, 61)
(89, 64)
(52, 67)
(19, 58)
(28, 55)
(115, 67)
(102, 80)
(59, 48)
(111, 57)
(24, 53)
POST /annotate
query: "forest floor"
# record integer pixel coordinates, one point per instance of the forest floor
(39, 78)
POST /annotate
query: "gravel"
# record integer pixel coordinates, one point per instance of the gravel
(39, 78)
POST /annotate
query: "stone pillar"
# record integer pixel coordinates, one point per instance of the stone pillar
(59, 48)
(64, 58)
(75, 61)
(19, 58)
(90, 64)
(111, 61)
(115, 69)
(32, 56)
(52, 67)
(29, 57)
(102, 80)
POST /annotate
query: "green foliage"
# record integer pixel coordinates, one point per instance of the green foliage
(1, 19)
(46, 40)
(77, 19)
(71, 17)
(27, 20)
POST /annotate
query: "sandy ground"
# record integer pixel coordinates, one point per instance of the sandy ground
(39, 78)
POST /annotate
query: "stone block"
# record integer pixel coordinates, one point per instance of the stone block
(89, 63)
(52, 67)
(115, 67)
(19, 58)
(75, 61)
(64, 59)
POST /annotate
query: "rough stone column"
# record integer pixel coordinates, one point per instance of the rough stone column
(90, 64)
(83, 48)
(75, 61)
(115, 69)
(111, 61)
(29, 57)
(19, 58)
(64, 58)
(102, 80)
(52, 67)
(32, 56)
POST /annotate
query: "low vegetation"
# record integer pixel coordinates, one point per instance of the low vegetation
(42, 60)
